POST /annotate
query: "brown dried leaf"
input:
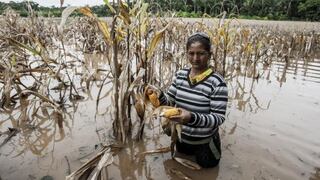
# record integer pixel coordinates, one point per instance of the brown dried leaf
(90, 165)
(187, 163)
(140, 107)
(105, 30)
(160, 150)
(110, 6)
(58, 117)
(86, 11)
(65, 14)
(155, 41)
(101, 24)
(124, 13)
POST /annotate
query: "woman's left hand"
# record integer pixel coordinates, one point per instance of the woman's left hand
(183, 118)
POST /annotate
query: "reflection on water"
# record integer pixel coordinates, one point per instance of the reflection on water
(39, 124)
(244, 96)
(306, 70)
(40, 127)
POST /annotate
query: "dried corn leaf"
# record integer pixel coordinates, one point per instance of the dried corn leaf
(121, 33)
(179, 130)
(123, 101)
(187, 163)
(58, 118)
(105, 161)
(23, 46)
(143, 11)
(101, 24)
(160, 150)
(143, 19)
(134, 10)
(43, 98)
(124, 13)
(221, 21)
(11, 132)
(87, 11)
(106, 2)
(91, 165)
(139, 106)
(8, 81)
(138, 79)
(105, 30)
(155, 41)
(65, 14)
(144, 26)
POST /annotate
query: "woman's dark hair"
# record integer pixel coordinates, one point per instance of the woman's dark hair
(201, 37)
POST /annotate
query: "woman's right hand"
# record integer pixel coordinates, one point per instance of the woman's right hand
(183, 118)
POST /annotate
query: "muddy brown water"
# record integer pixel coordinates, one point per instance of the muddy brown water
(271, 132)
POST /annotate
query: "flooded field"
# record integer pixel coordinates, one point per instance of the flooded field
(271, 130)
(271, 133)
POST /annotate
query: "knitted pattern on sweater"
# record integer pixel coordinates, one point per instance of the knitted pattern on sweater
(206, 100)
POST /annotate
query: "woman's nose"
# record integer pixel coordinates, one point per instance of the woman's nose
(195, 58)
(194, 55)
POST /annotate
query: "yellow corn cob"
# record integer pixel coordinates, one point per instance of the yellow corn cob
(171, 112)
(154, 99)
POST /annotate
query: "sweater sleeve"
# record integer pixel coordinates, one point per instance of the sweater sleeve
(218, 106)
(169, 98)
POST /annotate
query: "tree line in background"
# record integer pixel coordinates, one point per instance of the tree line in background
(22, 8)
(308, 10)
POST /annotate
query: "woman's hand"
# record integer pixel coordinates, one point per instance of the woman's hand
(183, 118)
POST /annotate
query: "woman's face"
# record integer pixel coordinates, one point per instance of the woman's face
(198, 56)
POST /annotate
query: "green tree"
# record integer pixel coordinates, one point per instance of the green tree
(310, 9)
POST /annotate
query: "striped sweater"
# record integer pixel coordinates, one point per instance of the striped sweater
(206, 100)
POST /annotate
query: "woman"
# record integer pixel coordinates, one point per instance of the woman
(201, 94)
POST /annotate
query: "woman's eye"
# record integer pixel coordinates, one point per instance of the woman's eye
(197, 53)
